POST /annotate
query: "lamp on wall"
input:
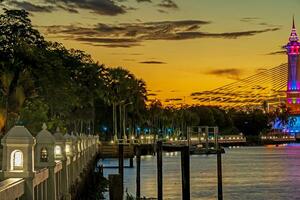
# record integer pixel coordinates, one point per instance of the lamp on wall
(44, 155)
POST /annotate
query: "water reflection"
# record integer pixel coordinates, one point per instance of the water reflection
(248, 173)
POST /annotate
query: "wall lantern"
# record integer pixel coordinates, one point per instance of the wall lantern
(44, 155)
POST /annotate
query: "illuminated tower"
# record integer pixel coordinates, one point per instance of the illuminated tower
(293, 84)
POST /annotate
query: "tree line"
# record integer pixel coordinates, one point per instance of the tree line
(43, 81)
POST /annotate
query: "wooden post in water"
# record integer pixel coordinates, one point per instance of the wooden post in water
(159, 171)
(185, 172)
(115, 186)
(131, 162)
(206, 139)
(138, 173)
(219, 172)
(121, 165)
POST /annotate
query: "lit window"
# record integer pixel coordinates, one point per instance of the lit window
(57, 150)
(68, 149)
(16, 160)
(44, 155)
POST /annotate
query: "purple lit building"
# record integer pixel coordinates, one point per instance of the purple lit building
(293, 84)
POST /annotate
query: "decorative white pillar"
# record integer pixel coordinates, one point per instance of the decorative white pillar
(18, 157)
(44, 157)
(60, 155)
(69, 154)
(75, 157)
(84, 146)
(79, 154)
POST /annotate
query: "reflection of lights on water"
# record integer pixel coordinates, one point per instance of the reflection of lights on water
(171, 154)
(146, 157)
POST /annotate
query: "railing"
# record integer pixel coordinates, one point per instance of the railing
(42, 185)
(12, 188)
(40, 176)
(142, 140)
(175, 140)
(279, 138)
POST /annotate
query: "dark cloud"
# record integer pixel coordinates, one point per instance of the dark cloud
(139, 1)
(42, 7)
(152, 94)
(263, 24)
(152, 62)
(174, 99)
(249, 19)
(32, 7)
(168, 4)
(69, 9)
(133, 34)
(162, 11)
(102, 7)
(257, 21)
(228, 35)
(232, 73)
(281, 52)
(109, 42)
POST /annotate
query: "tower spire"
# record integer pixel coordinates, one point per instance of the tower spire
(294, 22)
(293, 36)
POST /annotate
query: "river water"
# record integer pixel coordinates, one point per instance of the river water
(249, 173)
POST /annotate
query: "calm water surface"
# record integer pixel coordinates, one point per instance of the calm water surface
(248, 173)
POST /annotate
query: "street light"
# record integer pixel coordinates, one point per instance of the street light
(124, 119)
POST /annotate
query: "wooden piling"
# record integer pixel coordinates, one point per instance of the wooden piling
(121, 165)
(138, 173)
(131, 162)
(115, 186)
(185, 172)
(159, 171)
(219, 172)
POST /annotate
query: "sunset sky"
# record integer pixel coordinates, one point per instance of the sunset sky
(177, 46)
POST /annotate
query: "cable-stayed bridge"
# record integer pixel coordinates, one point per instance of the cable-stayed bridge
(266, 86)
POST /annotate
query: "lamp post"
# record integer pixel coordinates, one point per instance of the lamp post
(124, 119)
